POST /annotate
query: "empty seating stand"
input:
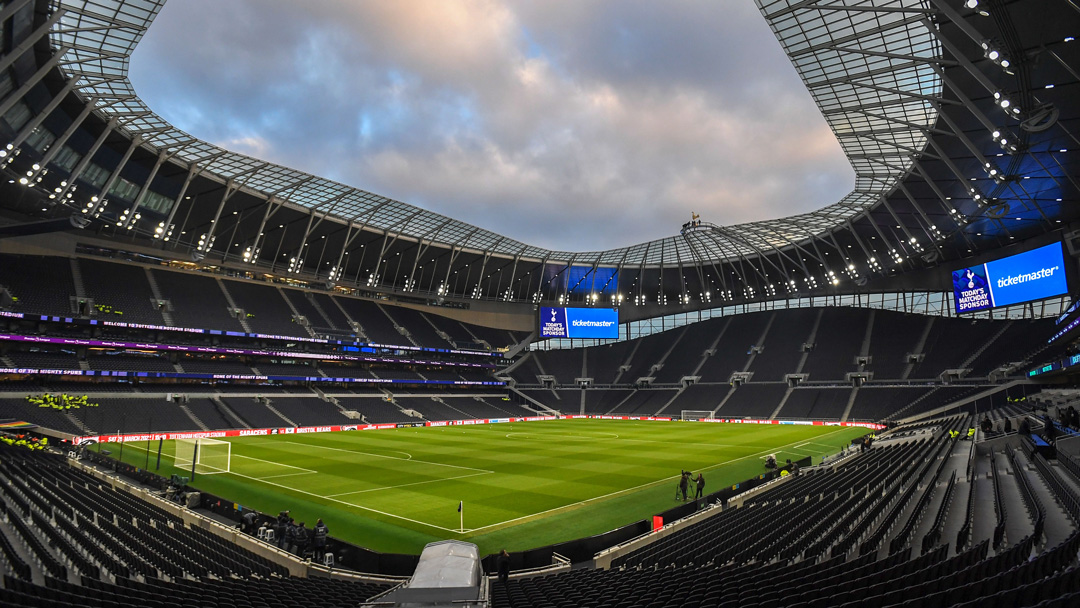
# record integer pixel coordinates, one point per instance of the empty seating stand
(23, 276)
(149, 556)
(265, 309)
(804, 543)
(121, 292)
(197, 300)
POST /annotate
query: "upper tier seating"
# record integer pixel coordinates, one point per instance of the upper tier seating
(332, 313)
(377, 326)
(893, 337)
(23, 275)
(265, 308)
(603, 361)
(197, 300)
(950, 343)
(839, 338)
(420, 329)
(459, 336)
(740, 334)
(121, 292)
(783, 346)
(496, 338)
(685, 357)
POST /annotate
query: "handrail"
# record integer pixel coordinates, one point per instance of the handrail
(999, 503)
(1031, 500)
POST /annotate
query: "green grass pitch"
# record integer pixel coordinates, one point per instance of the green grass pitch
(524, 485)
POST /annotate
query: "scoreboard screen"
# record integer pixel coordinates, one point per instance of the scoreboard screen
(597, 323)
(1025, 277)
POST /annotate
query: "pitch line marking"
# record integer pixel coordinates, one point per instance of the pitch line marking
(356, 506)
(542, 436)
(278, 443)
(438, 464)
(288, 475)
(629, 440)
(818, 443)
(644, 485)
(415, 483)
(280, 464)
(349, 504)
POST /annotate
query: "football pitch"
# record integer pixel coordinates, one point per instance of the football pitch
(523, 485)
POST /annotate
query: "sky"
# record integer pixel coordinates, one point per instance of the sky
(576, 125)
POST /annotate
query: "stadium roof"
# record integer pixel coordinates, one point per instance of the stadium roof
(870, 72)
(958, 120)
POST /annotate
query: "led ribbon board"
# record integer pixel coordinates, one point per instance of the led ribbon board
(1025, 277)
(597, 323)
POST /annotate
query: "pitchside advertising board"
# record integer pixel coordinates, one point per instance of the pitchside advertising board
(1025, 277)
(299, 430)
(602, 323)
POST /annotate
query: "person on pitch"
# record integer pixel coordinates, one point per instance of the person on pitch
(700, 485)
(684, 484)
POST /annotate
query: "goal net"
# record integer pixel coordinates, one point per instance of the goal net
(208, 455)
(696, 414)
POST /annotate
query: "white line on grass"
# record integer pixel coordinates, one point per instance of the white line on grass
(438, 464)
(271, 483)
(415, 483)
(280, 464)
(644, 485)
(818, 443)
(289, 475)
(630, 440)
(542, 436)
(290, 488)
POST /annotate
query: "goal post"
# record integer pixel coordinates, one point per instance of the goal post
(696, 414)
(208, 456)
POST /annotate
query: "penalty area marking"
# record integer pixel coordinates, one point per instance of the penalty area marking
(408, 456)
(279, 464)
(346, 503)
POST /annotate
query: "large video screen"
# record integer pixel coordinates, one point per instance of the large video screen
(1025, 277)
(597, 323)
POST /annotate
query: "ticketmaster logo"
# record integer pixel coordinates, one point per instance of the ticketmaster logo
(1024, 278)
(581, 323)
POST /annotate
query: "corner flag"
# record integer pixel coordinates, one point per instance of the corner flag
(460, 504)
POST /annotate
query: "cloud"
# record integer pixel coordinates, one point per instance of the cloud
(576, 125)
